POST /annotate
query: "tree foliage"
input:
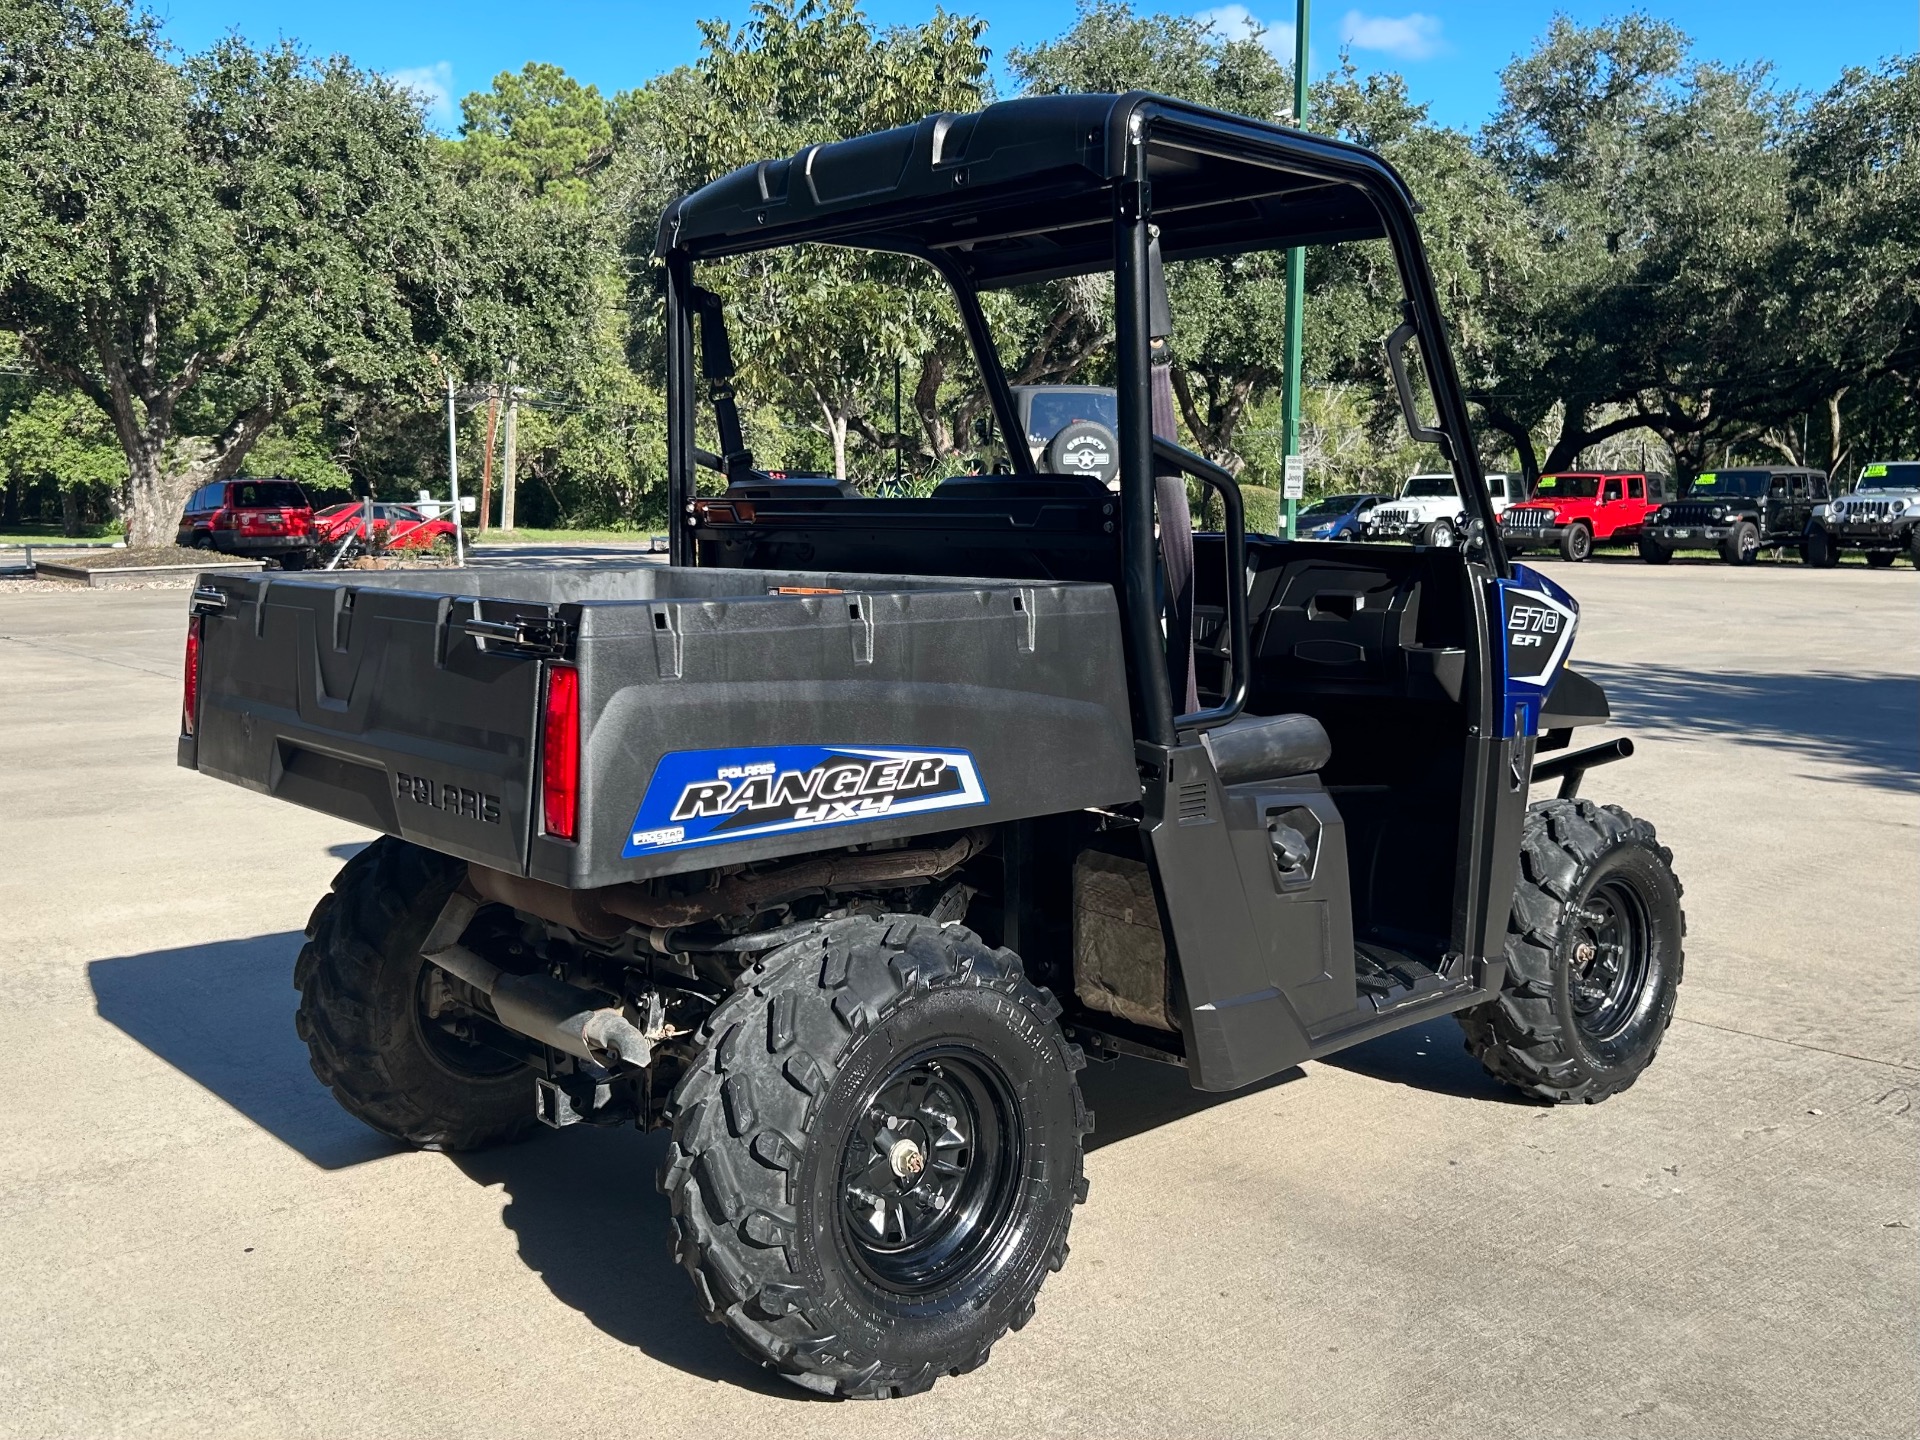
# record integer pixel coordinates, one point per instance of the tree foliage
(200, 247)
(249, 259)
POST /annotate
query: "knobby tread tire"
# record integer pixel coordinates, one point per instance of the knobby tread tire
(747, 1110)
(358, 975)
(1521, 1036)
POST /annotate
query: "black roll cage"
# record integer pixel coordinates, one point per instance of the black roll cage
(957, 171)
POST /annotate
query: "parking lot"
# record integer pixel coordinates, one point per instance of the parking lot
(195, 1240)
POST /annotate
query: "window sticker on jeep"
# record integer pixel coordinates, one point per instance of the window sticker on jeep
(707, 797)
(1873, 472)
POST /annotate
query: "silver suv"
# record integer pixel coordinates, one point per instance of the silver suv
(1880, 518)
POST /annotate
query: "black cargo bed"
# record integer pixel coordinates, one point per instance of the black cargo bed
(726, 715)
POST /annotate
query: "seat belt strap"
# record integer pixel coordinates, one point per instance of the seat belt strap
(716, 367)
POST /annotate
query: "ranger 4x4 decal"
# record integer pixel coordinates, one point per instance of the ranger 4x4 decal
(698, 797)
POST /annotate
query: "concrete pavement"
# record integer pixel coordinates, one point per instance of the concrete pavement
(195, 1241)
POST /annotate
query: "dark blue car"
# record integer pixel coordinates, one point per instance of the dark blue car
(1337, 517)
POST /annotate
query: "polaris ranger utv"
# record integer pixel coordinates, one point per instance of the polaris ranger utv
(840, 843)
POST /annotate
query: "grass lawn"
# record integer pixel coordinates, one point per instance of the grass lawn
(524, 536)
(50, 535)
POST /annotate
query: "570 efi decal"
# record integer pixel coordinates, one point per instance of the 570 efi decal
(704, 797)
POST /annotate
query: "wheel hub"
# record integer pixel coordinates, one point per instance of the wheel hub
(927, 1174)
(1608, 960)
(907, 1159)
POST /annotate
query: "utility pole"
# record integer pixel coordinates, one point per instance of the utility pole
(510, 462)
(1296, 292)
(899, 436)
(486, 464)
(453, 479)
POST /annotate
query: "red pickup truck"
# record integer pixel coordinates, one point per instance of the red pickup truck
(1576, 510)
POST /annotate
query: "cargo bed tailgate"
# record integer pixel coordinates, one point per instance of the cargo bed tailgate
(374, 704)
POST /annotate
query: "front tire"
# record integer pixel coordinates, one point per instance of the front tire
(1742, 547)
(1576, 542)
(876, 1156)
(363, 1010)
(1594, 957)
(1439, 535)
(1818, 550)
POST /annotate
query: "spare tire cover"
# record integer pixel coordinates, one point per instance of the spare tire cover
(1085, 447)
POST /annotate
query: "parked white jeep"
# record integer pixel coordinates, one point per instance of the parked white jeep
(1428, 509)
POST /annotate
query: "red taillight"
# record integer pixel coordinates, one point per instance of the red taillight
(560, 753)
(190, 696)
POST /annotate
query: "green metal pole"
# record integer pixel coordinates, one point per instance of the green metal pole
(1296, 278)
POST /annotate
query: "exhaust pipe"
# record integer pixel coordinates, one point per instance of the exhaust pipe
(567, 1017)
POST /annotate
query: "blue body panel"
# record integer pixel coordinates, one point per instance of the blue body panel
(1537, 620)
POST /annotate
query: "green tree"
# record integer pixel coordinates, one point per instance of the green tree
(815, 331)
(199, 248)
(540, 128)
(58, 437)
(1229, 315)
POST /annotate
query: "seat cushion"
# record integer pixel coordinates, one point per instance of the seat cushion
(1267, 747)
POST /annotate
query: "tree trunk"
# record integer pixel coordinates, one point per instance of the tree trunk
(155, 499)
(837, 429)
(69, 511)
(1836, 450)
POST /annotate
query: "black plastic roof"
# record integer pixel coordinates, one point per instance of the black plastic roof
(1023, 190)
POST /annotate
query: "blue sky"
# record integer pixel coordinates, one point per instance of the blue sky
(1450, 50)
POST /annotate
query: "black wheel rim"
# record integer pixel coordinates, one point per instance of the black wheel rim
(931, 1172)
(448, 1032)
(1581, 544)
(1609, 960)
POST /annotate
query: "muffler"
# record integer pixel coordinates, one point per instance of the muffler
(567, 1017)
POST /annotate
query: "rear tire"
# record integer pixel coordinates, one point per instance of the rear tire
(1881, 559)
(876, 1156)
(1742, 547)
(1654, 554)
(360, 980)
(1594, 957)
(1576, 541)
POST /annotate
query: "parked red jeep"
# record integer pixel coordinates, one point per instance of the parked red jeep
(1575, 511)
(396, 527)
(268, 518)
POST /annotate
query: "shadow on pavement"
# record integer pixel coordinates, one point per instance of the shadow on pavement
(1430, 1057)
(222, 1015)
(582, 1204)
(583, 1208)
(1865, 722)
(1129, 1097)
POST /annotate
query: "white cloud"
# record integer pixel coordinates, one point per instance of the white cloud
(432, 86)
(1236, 22)
(1405, 37)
